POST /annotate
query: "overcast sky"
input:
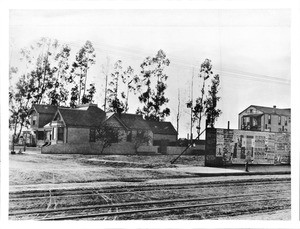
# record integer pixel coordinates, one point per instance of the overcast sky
(250, 49)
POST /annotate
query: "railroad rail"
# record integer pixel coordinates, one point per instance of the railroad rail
(44, 214)
(262, 195)
(141, 188)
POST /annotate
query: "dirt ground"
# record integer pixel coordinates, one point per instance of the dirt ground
(275, 215)
(32, 167)
(36, 168)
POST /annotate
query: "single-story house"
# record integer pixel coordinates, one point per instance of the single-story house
(163, 131)
(131, 125)
(74, 125)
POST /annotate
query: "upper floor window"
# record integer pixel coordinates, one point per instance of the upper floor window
(254, 122)
(34, 120)
(285, 120)
(250, 110)
(269, 119)
(279, 120)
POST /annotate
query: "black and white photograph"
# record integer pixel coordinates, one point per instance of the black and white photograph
(119, 114)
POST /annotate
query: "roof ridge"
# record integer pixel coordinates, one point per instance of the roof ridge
(269, 107)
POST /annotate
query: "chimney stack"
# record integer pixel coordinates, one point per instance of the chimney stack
(274, 108)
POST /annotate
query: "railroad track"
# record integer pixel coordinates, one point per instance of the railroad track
(205, 198)
(128, 189)
(100, 211)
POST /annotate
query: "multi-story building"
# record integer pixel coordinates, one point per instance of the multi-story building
(259, 118)
(39, 116)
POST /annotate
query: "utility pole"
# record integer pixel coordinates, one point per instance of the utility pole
(106, 76)
(178, 112)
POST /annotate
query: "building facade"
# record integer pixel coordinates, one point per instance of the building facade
(270, 119)
(39, 116)
(131, 126)
(74, 125)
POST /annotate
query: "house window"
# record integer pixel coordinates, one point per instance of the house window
(254, 122)
(251, 110)
(60, 133)
(92, 134)
(269, 119)
(266, 126)
(285, 120)
(34, 120)
(279, 120)
(129, 136)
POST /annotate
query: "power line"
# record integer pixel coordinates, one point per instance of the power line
(182, 62)
(179, 62)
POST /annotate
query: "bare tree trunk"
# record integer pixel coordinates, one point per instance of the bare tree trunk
(200, 115)
(178, 112)
(85, 82)
(79, 93)
(85, 76)
(106, 76)
(126, 103)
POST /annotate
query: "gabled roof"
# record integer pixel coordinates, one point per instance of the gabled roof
(44, 109)
(271, 110)
(162, 127)
(91, 117)
(134, 121)
(131, 121)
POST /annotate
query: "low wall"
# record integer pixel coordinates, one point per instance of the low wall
(176, 150)
(147, 150)
(115, 148)
(89, 148)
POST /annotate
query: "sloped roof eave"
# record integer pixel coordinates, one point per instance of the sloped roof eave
(288, 110)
